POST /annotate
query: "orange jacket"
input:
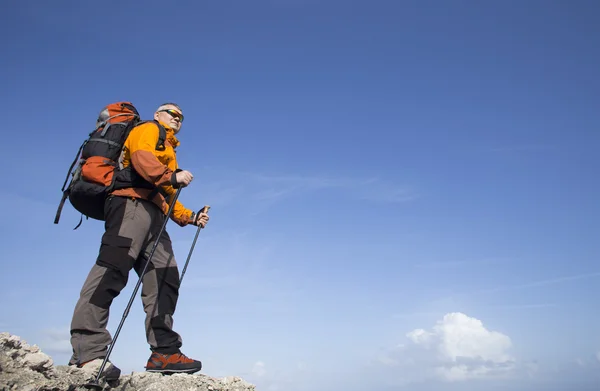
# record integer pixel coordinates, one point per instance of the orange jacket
(157, 167)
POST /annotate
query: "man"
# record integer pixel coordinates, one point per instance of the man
(134, 217)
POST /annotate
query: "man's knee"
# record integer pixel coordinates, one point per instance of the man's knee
(168, 288)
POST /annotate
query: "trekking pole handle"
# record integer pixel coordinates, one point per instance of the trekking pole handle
(204, 209)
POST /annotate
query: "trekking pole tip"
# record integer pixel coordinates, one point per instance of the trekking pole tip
(94, 385)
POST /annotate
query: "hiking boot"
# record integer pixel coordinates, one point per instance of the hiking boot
(172, 363)
(110, 373)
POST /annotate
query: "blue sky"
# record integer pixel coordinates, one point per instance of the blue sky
(404, 194)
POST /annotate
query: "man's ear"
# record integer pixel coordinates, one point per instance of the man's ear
(156, 116)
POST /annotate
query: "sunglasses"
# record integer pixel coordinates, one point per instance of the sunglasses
(174, 114)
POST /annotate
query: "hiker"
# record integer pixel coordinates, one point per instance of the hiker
(133, 218)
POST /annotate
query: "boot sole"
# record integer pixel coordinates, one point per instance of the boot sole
(170, 371)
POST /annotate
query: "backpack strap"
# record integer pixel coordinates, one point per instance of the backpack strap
(73, 164)
(66, 192)
(160, 146)
(60, 206)
(162, 134)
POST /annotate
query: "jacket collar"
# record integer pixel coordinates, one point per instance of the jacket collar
(171, 135)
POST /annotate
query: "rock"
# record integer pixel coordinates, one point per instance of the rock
(10, 341)
(27, 368)
(37, 361)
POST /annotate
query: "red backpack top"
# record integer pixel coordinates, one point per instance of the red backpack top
(99, 163)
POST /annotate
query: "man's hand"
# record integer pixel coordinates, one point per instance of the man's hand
(184, 178)
(200, 219)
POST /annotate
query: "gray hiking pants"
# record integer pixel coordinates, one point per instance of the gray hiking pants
(131, 228)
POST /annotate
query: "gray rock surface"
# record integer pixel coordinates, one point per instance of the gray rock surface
(27, 368)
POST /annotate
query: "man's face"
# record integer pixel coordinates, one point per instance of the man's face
(171, 116)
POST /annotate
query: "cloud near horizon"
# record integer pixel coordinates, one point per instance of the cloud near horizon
(457, 348)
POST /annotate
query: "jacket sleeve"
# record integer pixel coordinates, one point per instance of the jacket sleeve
(180, 215)
(142, 145)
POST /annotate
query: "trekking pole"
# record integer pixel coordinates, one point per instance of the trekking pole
(95, 383)
(203, 210)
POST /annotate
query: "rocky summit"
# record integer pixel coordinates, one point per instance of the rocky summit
(25, 367)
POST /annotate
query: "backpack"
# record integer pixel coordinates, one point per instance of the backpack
(99, 170)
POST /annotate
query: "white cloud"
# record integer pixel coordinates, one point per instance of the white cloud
(420, 336)
(462, 336)
(457, 348)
